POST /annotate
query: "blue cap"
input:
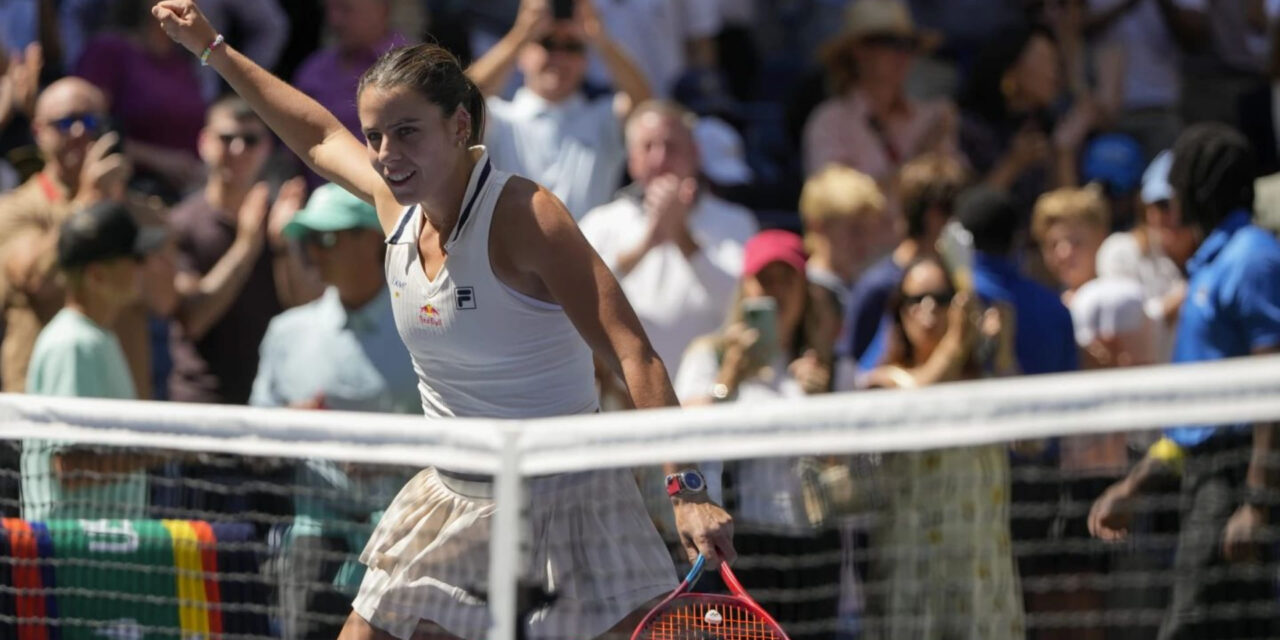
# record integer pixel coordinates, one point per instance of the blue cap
(1155, 181)
(1115, 160)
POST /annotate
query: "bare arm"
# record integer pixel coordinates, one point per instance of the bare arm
(492, 70)
(202, 301)
(305, 126)
(295, 284)
(540, 240)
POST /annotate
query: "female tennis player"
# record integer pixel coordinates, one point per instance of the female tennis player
(500, 301)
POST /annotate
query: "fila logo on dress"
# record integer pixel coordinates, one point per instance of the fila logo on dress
(465, 297)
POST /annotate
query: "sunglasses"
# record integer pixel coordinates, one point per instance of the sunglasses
(940, 298)
(905, 44)
(249, 139)
(567, 46)
(92, 123)
(322, 239)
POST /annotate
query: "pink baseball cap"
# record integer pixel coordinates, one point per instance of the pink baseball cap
(774, 245)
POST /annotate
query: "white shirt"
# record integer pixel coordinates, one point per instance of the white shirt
(479, 348)
(677, 298)
(1121, 257)
(769, 490)
(573, 148)
(655, 33)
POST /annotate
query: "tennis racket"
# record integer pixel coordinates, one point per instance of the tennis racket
(688, 615)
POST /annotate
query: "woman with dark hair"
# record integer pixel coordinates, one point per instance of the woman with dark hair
(942, 561)
(500, 302)
(1010, 128)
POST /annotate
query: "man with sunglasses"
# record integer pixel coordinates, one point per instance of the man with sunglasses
(340, 352)
(234, 273)
(79, 169)
(550, 131)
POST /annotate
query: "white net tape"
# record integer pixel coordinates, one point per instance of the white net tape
(521, 455)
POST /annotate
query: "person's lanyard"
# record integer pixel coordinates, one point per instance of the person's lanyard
(51, 191)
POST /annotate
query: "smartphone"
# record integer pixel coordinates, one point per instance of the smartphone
(562, 9)
(109, 126)
(761, 314)
(955, 247)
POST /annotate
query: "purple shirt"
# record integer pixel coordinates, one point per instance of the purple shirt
(154, 99)
(331, 76)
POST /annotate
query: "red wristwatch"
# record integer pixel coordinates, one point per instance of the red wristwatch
(686, 482)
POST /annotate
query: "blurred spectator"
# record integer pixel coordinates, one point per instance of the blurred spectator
(1046, 344)
(1137, 51)
(920, 548)
(339, 352)
(303, 361)
(361, 32)
(771, 347)
(1152, 255)
(1070, 224)
(100, 251)
(230, 282)
(676, 249)
(1011, 132)
(843, 214)
(1111, 330)
(550, 132)
(19, 86)
(1112, 327)
(665, 38)
(154, 97)
(1233, 310)
(870, 123)
(928, 187)
(79, 169)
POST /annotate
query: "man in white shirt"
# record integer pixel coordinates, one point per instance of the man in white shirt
(676, 249)
(550, 132)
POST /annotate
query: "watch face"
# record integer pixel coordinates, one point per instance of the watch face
(693, 481)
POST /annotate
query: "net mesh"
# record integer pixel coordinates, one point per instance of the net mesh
(958, 511)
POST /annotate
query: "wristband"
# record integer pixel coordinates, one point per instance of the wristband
(208, 51)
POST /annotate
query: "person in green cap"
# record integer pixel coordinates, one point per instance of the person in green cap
(340, 352)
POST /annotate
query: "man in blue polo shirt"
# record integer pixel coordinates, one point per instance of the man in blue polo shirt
(339, 352)
(1224, 585)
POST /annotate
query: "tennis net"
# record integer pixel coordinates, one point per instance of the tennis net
(957, 511)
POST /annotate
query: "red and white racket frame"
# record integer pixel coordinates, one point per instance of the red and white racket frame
(738, 597)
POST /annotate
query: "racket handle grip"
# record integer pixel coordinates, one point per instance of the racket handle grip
(691, 578)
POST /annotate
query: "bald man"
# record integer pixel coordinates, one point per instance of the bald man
(78, 171)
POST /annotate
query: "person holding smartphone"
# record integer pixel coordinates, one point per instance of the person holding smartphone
(551, 130)
(776, 344)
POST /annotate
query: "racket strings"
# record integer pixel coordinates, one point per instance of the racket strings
(703, 620)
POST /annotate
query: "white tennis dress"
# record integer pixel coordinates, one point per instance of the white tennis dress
(481, 349)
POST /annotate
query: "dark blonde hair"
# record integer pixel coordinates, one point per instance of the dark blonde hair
(433, 72)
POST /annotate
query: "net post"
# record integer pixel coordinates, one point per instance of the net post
(504, 540)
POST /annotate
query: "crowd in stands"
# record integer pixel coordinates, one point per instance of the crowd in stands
(798, 197)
